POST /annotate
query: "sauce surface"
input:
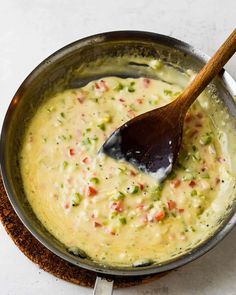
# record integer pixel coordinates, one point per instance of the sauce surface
(115, 213)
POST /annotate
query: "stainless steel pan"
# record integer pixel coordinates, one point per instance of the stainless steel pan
(73, 66)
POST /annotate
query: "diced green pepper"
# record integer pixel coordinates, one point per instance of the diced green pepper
(95, 138)
(193, 193)
(193, 229)
(86, 141)
(131, 87)
(76, 200)
(158, 64)
(188, 176)
(180, 165)
(95, 99)
(151, 206)
(153, 102)
(196, 156)
(206, 139)
(107, 118)
(65, 164)
(94, 180)
(113, 214)
(102, 126)
(205, 175)
(132, 107)
(168, 92)
(51, 109)
(156, 193)
(118, 196)
(183, 156)
(119, 87)
(194, 148)
(122, 170)
(122, 220)
(133, 189)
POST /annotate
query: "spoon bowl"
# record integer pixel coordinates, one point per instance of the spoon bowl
(150, 142)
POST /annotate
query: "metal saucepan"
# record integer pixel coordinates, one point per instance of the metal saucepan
(74, 66)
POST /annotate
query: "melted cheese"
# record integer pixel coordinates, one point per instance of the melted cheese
(115, 213)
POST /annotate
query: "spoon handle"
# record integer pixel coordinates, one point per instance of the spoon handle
(209, 71)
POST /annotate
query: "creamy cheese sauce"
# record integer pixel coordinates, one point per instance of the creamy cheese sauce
(115, 213)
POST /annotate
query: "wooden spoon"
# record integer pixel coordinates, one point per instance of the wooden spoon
(151, 141)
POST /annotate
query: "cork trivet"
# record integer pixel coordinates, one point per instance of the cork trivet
(48, 261)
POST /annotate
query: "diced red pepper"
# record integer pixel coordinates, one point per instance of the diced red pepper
(104, 85)
(133, 173)
(70, 180)
(140, 100)
(181, 210)
(160, 216)
(146, 82)
(97, 224)
(175, 183)
(85, 160)
(131, 113)
(67, 205)
(140, 206)
(71, 152)
(81, 98)
(118, 206)
(171, 204)
(192, 183)
(91, 191)
(141, 186)
(94, 215)
(97, 86)
(217, 180)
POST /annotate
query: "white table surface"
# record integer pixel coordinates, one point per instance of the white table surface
(30, 30)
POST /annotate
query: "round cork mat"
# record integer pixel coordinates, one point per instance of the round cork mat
(50, 262)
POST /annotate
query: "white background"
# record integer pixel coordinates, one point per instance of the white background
(30, 30)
